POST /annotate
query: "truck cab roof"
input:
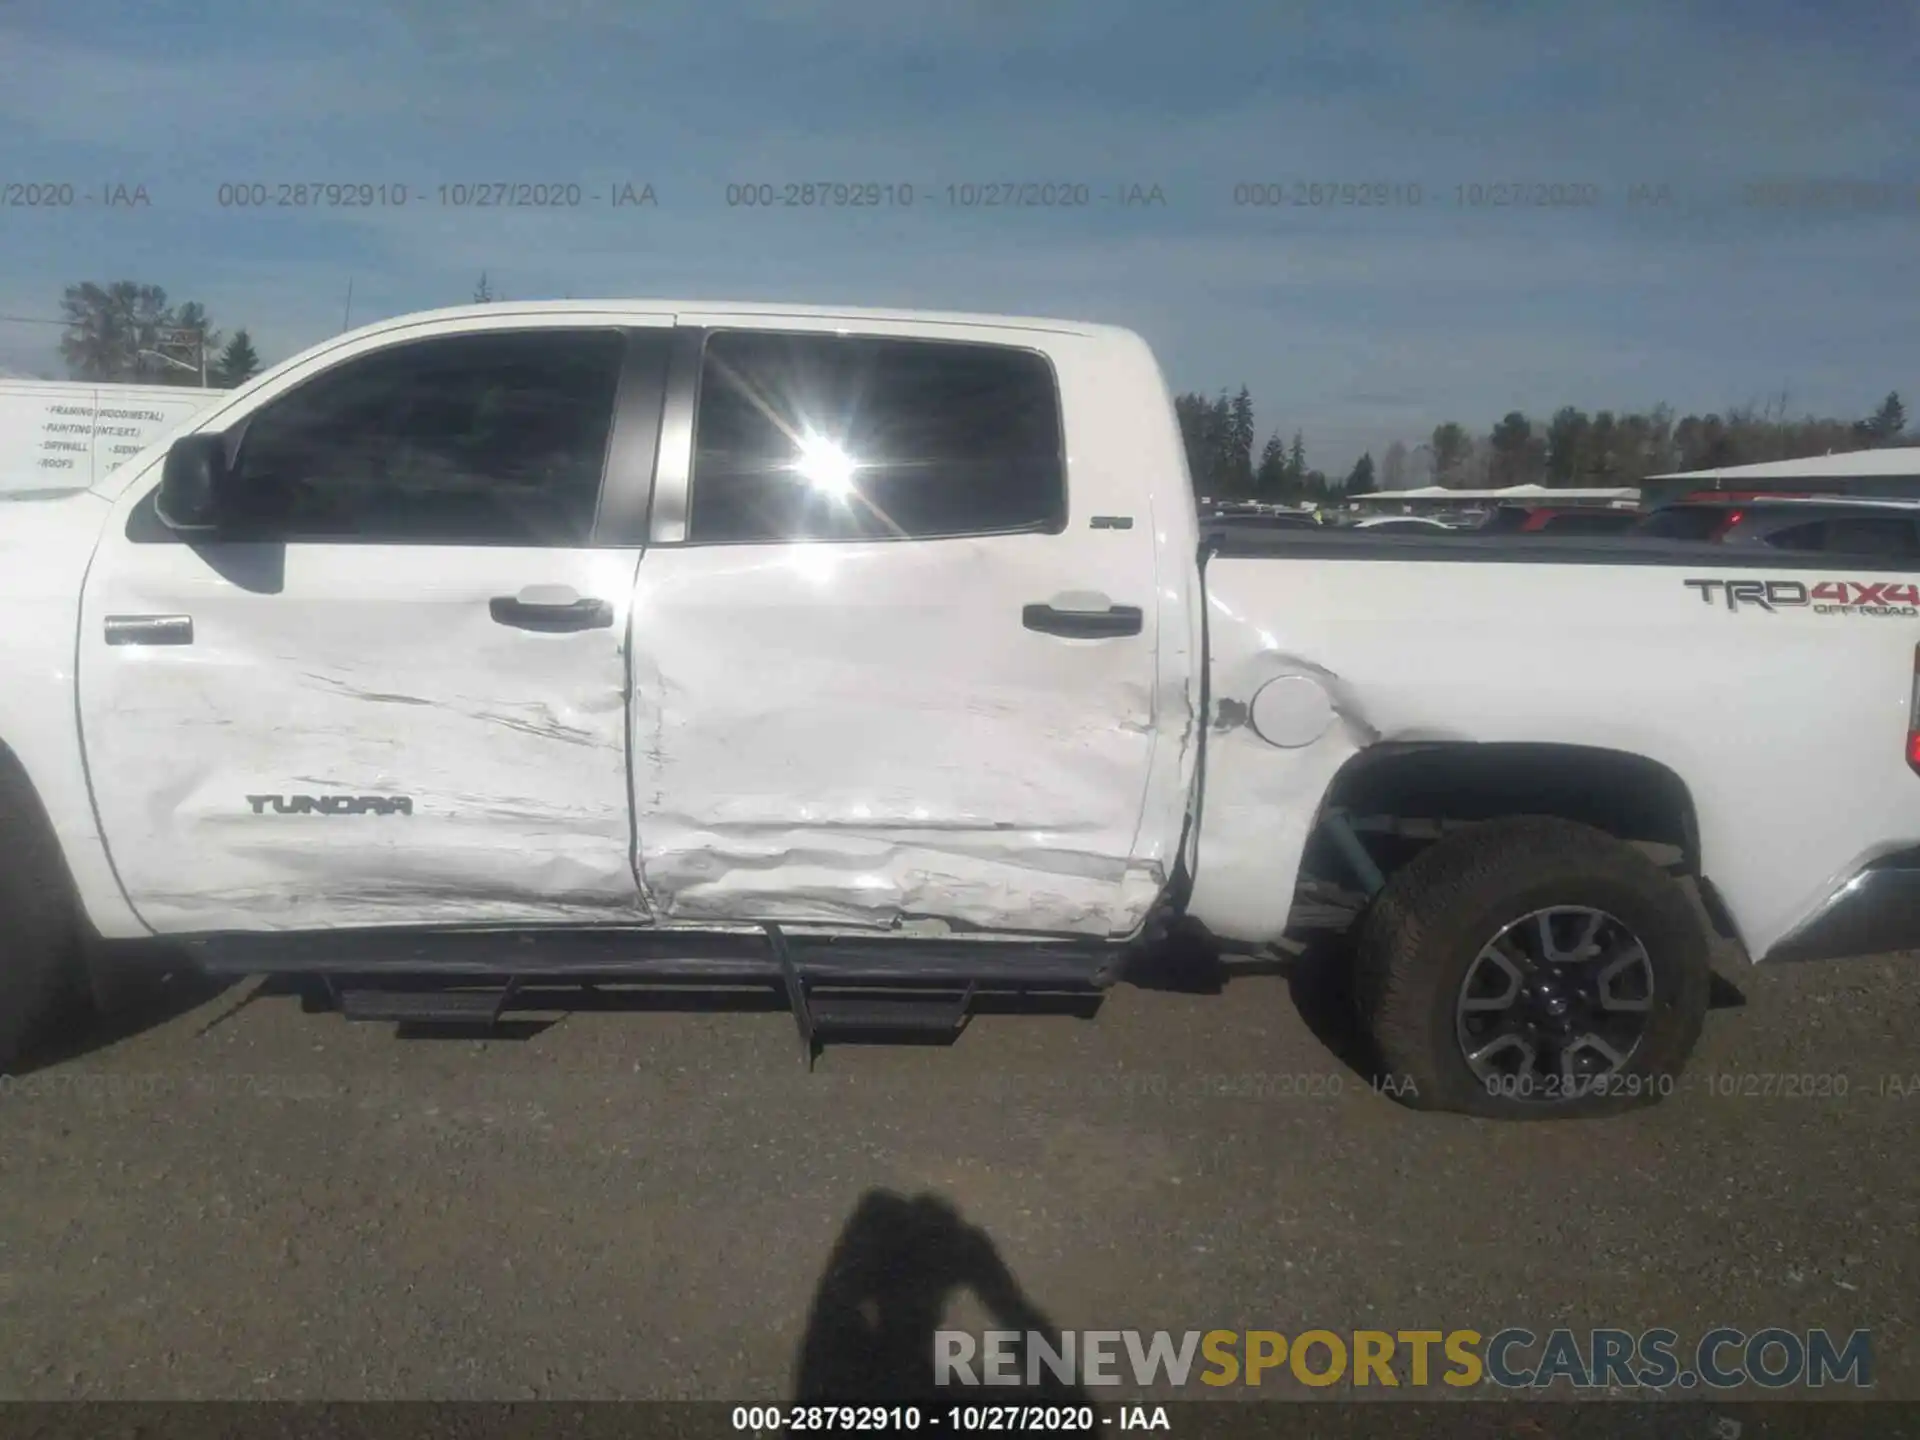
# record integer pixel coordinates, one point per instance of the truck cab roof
(758, 310)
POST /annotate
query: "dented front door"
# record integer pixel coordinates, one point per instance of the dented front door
(389, 726)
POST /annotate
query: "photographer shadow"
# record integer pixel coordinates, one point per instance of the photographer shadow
(870, 1336)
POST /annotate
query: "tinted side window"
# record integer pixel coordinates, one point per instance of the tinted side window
(1598, 522)
(1688, 522)
(473, 439)
(844, 438)
(1870, 535)
(1812, 536)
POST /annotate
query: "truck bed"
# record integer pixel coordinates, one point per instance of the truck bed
(1771, 689)
(1224, 537)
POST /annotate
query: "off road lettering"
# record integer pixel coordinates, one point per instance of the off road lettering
(332, 804)
(1874, 597)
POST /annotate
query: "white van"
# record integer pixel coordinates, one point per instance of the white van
(66, 435)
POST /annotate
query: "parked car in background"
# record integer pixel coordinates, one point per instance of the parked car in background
(1538, 520)
(1581, 522)
(1269, 519)
(1821, 524)
(1403, 522)
(1505, 519)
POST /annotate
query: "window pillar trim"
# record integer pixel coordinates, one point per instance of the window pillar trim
(673, 471)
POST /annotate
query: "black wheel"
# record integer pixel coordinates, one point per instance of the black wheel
(39, 939)
(1531, 968)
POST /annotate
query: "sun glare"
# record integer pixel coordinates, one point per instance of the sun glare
(825, 466)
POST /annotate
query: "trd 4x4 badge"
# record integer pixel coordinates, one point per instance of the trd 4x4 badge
(332, 804)
(1826, 597)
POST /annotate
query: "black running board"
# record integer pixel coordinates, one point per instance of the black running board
(836, 986)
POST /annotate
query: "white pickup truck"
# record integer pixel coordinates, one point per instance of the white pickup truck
(881, 657)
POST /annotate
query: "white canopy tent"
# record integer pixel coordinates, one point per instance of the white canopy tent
(1509, 495)
(1895, 461)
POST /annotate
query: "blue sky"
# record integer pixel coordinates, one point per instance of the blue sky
(1357, 326)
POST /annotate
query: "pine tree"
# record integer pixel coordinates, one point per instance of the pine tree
(1192, 412)
(1360, 478)
(1566, 445)
(238, 363)
(1221, 470)
(1206, 426)
(1449, 445)
(1239, 437)
(1889, 422)
(1270, 480)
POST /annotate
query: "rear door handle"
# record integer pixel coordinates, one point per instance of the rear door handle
(1083, 624)
(551, 609)
(149, 629)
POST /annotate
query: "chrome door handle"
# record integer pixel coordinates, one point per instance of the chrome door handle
(149, 629)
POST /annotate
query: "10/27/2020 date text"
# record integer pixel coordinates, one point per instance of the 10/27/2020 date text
(893, 1419)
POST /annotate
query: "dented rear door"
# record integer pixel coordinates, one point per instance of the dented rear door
(395, 692)
(886, 668)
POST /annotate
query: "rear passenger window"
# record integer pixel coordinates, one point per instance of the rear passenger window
(1870, 535)
(1599, 522)
(826, 437)
(1685, 522)
(1851, 535)
(1800, 537)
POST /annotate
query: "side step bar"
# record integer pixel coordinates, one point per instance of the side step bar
(936, 1014)
(425, 1007)
(834, 985)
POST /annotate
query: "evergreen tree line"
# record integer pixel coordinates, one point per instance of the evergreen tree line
(117, 333)
(1219, 436)
(1571, 449)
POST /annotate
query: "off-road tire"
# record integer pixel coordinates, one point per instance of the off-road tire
(39, 936)
(1434, 916)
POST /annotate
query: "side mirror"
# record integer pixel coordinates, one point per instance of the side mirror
(193, 482)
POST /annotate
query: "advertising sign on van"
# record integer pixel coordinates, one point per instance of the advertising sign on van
(58, 436)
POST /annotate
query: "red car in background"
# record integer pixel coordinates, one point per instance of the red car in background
(1553, 520)
(1831, 524)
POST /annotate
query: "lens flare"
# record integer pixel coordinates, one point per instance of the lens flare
(825, 466)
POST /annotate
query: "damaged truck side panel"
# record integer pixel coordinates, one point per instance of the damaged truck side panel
(381, 663)
(936, 768)
(865, 732)
(1766, 725)
(345, 679)
(560, 631)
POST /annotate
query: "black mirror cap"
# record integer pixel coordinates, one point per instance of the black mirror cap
(193, 481)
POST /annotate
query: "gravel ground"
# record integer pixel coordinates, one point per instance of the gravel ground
(222, 1195)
